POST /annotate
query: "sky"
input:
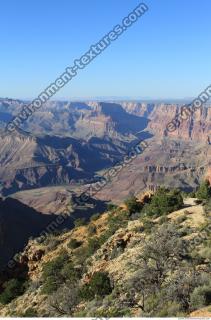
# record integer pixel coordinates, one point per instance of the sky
(165, 54)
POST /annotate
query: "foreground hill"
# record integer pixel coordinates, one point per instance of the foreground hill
(150, 257)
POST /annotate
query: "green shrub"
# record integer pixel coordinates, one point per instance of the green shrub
(56, 272)
(133, 205)
(204, 190)
(74, 244)
(148, 225)
(170, 309)
(111, 207)
(12, 289)
(163, 219)
(92, 246)
(79, 222)
(164, 202)
(112, 312)
(208, 206)
(181, 219)
(206, 253)
(94, 217)
(85, 252)
(117, 220)
(99, 285)
(201, 297)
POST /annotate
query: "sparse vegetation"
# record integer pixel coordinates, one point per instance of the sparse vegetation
(99, 285)
(11, 290)
(74, 244)
(133, 205)
(169, 275)
(163, 202)
(79, 222)
(58, 271)
(204, 191)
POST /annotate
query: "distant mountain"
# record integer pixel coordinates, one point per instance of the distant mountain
(27, 161)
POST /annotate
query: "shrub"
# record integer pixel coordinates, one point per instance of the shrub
(201, 297)
(208, 206)
(12, 289)
(148, 225)
(74, 244)
(117, 220)
(111, 206)
(79, 222)
(91, 229)
(206, 253)
(112, 312)
(204, 190)
(164, 202)
(99, 285)
(163, 219)
(133, 205)
(51, 243)
(56, 272)
(181, 219)
(95, 216)
(170, 309)
(92, 246)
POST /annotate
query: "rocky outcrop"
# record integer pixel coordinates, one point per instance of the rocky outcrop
(196, 128)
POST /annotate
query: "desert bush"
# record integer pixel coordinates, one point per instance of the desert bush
(57, 272)
(164, 202)
(163, 219)
(83, 253)
(91, 229)
(170, 309)
(11, 290)
(201, 297)
(99, 285)
(94, 217)
(111, 207)
(181, 219)
(206, 253)
(207, 206)
(92, 246)
(204, 191)
(112, 312)
(133, 205)
(74, 244)
(51, 243)
(79, 222)
(148, 225)
(64, 300)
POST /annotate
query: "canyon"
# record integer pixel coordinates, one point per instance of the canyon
(73, 143)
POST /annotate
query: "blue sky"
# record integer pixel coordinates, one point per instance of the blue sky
(166, 54)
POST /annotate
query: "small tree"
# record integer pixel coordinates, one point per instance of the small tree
(64, 300)
(204, 191)
(12, 289)
(133, 205)
(99, 285)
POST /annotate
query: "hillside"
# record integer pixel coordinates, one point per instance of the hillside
(127, 261)
(28, 161)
